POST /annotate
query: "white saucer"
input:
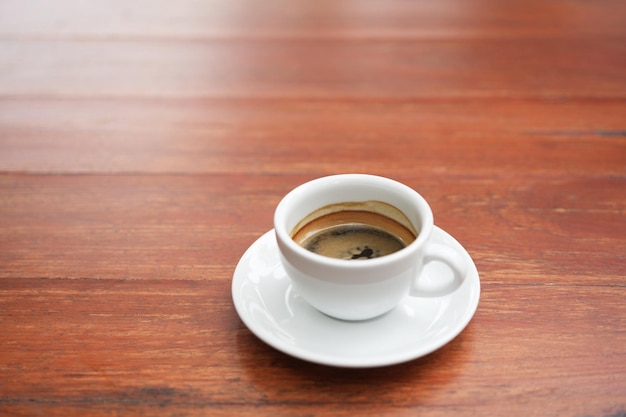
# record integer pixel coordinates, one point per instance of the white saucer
(270, 307)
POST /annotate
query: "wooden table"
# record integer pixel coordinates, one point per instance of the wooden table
(145, 144)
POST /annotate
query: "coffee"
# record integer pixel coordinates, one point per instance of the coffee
(355, 231)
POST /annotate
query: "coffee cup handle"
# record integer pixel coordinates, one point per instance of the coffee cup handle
(453, 260)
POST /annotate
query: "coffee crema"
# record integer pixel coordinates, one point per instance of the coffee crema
(355, 230)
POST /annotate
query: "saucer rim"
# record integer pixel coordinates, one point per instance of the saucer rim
(371, 362)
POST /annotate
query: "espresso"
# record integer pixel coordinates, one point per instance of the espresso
(355, 231)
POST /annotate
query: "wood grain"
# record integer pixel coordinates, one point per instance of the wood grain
(193, 19)
(197, 227)
(144, 146)
(197, 357)
(518, 68)
(490, 137)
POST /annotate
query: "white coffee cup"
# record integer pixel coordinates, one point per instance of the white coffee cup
(359, 290)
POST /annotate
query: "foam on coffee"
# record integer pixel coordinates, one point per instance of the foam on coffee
(355, 230)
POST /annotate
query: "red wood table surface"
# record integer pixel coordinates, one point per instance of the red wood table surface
(145, 144)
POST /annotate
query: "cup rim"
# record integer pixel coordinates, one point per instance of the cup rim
(425, 213)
